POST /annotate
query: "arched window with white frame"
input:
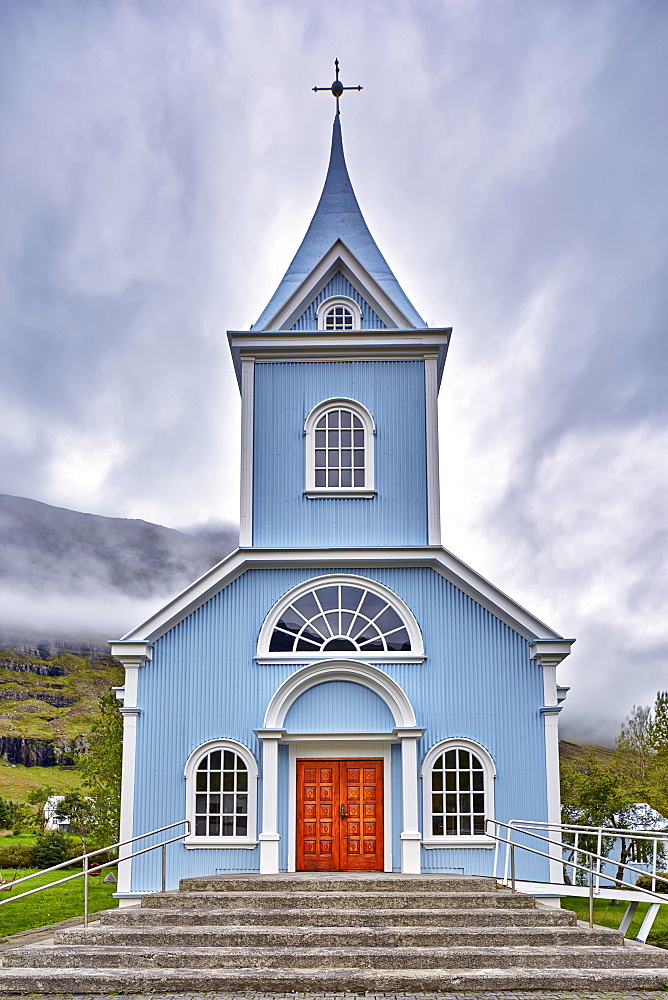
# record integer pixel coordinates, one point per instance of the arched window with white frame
(221, 795)
(339, 314)
(458, 794)
(339, 450)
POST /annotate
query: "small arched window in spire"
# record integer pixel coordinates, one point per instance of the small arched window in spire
(340, 314)
(339, 450)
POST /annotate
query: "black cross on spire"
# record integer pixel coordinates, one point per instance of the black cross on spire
(337, 87)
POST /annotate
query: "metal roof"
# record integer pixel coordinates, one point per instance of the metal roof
(338, 217)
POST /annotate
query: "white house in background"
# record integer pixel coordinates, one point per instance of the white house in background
(51, 820)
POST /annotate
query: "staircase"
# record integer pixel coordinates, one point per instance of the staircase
(333, 933)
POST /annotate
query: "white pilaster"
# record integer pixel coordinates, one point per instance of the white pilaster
(433, 476)
(410, 835)
(132, 655)
(269, 838)
(548, 653)
(247, 435)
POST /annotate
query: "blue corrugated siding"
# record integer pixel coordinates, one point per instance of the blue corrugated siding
(340, 707)
(339, 285)
(203, 683)
(285, 393)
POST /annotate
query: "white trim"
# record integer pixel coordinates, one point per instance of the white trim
(369, 676)
(345, 745)
(429, 840)
(247, 437)
(431, 433)
(189, 772)
(338, 258)
(369, 427)
(438, 559)
(417, 647)
(270, 837)
(332, 302)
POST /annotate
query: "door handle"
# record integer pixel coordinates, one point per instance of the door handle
(343, 812)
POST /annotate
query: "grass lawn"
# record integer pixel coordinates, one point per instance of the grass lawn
(52, 905)
(19, 839)
(17, 782)
(610, 914)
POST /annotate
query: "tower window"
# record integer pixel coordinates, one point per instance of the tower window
(338, 318)
(339, 450)
(339, 313)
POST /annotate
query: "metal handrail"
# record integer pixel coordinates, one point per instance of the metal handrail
(655, 837)
(591, 854)
(85, 872)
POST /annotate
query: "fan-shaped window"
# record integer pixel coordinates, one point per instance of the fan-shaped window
(458, 792)
(340, 618)
(221, 779)
(339, 450)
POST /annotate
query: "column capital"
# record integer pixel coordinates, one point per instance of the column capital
(550, 652)
(131, 652)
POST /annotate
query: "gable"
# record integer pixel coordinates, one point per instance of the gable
(339, 285)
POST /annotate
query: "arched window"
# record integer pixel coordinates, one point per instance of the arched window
(340, 614)
(339, 450)
(221, 795)
(339, 314)
(458, 793)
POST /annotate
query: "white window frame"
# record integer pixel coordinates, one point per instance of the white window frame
(338, 300)
(190, 771)
(429, 840)
(359, 492)
(415, 655)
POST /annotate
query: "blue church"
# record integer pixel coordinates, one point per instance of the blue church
(341, 693)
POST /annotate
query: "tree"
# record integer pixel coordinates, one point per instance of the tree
(80, 814)
(39, 797)
(100, 765)
(642, 753)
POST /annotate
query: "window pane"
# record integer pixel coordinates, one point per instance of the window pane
(333, 418)
(346, 459)
(214, 803)
(478, 781)
(201, 782)
(346, 416)
(200, 804)
(332, 479)
(281, 643)
(372, 605)
(388, 621)
(479, 803)
(398, 641)
(320, 479)
(320, 439)
(332, 459)
(228, 826)
(439, 762)
(320, 459)
(229, 760)
(465, 803)
(307, 606)
(214, 826)
(437, 826)
(214, 781)
(451, 803)
(475, 763)
(464, 758)
(228, 803)
(478, 824)
(465, 826)
(203, 764)
(328, 597)
(437, 781)
(346, 478)
(437, 803)
(346, 439)
(200, 826)
(242, 781)
(214, 759)
(228, 781)
(451, 759)
(359, 477)
(358, 439)
(451, 781)
(322, 422)
(464, 781)
(242, 826)
(451, 826)
(242, 804)
(356, 421)
(359, 459)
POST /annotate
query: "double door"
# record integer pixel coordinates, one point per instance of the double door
(339, 815)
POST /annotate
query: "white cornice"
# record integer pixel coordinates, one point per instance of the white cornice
(359, 345)
(440, 560)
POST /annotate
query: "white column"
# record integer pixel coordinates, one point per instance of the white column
(549, 653)
(270, 837)
(247, 435)
(410, 835)
(433, 478)
(133, 655)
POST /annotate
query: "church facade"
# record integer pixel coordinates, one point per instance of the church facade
(341, 693)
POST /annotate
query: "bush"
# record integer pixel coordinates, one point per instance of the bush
(17, 856)
(52, 847)
(645, 882)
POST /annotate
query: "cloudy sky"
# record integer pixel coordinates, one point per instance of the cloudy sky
(159, 164)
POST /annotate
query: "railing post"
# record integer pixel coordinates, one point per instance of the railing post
(512, 867)
(591, 894)
(654, 857)
(164, 867)
(599, 845)
(85, 877)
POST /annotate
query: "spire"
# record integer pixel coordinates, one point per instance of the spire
(338, 217)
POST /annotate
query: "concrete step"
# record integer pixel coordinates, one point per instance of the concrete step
(339, 900)
(338, 937)
(339, 882)
(492, 917)
(190, 980)
(79, 957)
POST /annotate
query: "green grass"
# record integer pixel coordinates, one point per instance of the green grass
(610, 914)
(52, 905)
(19, 839)
(17, 782)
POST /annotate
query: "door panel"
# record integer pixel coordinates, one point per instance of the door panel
(339, 815)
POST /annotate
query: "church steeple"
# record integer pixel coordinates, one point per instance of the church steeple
(338, 218)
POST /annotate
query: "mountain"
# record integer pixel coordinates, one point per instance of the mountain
(78, 578)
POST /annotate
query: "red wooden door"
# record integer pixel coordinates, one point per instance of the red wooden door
(339, 815)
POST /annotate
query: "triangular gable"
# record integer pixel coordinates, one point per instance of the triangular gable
(338, 285)
(438, 559)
